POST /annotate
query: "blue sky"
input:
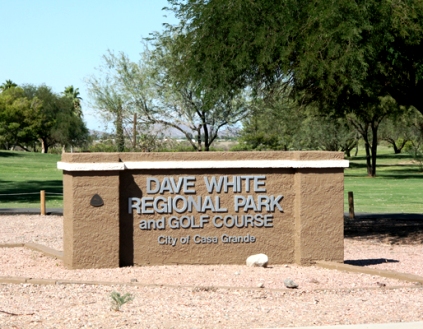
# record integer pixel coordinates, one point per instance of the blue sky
(60, 43)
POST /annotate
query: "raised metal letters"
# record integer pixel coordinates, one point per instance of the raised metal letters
(183, 206)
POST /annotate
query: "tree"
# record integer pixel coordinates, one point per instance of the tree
(272, 125)
(51, 118)
(416, 147)
(33, 114)
(328, 133)
(7, 85)
(397, 129)
(73, 94)
(367, 122)
(205, 112)
(338, 55)
(110, 100)
(160, 99)
(285, 125)
(41, 115)
(69, 130)
(14, 131)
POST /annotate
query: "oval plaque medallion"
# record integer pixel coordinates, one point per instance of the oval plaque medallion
(96, 201)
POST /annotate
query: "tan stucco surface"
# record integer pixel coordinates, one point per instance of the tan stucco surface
(91, 234)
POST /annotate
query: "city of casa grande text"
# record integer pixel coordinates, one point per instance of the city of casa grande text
(198, 239)
(261, 204)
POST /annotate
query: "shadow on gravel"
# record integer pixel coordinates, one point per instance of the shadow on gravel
(386, 228)
(369, 262)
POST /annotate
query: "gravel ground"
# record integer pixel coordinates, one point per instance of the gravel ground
(202, 296)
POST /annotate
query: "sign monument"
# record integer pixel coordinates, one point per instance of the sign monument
(125, 209)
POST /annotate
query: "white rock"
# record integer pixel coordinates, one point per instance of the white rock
(259, 260)
(290, 284)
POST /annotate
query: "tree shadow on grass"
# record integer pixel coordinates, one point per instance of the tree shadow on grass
(369, 262)
(9, 154)
(355, 165)
(29, 191)
(401, 175)
(400, 172)
(386, 228)
(382, 156)
(399, 167)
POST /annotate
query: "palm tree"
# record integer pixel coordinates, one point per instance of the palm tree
(73, 93)
(7, 85)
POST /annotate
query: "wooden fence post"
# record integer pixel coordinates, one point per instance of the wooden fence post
(351, 204)
(43, 202)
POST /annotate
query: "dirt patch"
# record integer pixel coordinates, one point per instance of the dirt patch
(407, 163)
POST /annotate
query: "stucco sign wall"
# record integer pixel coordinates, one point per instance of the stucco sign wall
(202, 208)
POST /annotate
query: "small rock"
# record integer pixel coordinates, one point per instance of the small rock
(134, 280)
(290, 284)
(259, 260)
(237, 273)
(260, 285)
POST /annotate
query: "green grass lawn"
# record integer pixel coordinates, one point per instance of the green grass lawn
(398, 187)
(24, 174)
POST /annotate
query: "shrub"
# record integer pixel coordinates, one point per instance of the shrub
(119, 300)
